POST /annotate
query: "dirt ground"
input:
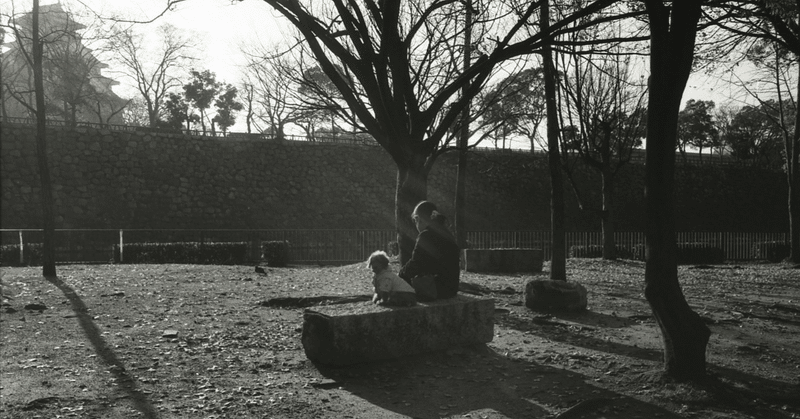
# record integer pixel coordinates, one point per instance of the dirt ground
(192, 341)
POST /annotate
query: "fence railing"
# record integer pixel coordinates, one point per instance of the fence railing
(637, 156)
(348, 246)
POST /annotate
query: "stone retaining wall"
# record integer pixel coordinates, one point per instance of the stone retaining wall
(113, 179)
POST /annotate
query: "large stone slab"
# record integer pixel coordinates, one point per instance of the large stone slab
(345, 334)
(503, 260)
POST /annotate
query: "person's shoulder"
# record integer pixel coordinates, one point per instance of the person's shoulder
(443, 236)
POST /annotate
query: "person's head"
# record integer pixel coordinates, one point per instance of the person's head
(425, 214)
(378, 261)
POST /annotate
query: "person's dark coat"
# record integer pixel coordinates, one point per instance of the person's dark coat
(435, 253)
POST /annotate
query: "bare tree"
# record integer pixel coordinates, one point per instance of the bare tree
(396, 66)
(274, 77)
(773, 24)
(153, 72)
(33, 53)
(605, 105)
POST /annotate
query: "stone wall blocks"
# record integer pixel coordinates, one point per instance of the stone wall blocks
(277, 176)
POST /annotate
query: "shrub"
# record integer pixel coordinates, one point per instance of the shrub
(392, 248)
(772, 251)
(596, 251)
(699, 253)
(184, 252)
(32, 255)
(689, 253)
(276, 253)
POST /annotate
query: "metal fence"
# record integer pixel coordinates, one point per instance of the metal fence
(349, 246)
(637, 156)
(305, 246)
(737, 246)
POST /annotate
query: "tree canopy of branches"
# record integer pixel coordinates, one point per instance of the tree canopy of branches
(201, 91)
(515, 106)
(755, 135)
(154, 72)
(604, 111)
(287, 91)
(396, 66)
(772, 25)
(227, 105)
(696, 126)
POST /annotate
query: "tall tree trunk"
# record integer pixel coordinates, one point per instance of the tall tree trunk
(412, 187)
(459, 206)
(558, 262)
(684, 335)
(48, 219)
(607, 220)
(607, 213)
(152, 114)
(793, 180)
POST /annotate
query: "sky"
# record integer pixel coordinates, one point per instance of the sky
(223, 27)
(220, 27)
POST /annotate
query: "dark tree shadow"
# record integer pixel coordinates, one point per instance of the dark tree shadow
(723, 388)
(563, 334)
(127, 383)
(749, 393)
(592, 318)
(479, 382)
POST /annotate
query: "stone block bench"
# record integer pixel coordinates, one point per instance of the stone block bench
(345, 334)
(503, 260)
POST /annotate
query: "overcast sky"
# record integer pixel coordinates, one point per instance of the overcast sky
(222, 27)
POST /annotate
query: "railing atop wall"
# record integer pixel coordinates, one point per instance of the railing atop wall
(349, 246)
(638, 155)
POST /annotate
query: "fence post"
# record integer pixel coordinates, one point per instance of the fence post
(121, 258)
(21, 251)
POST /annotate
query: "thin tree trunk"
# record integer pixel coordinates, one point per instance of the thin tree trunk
(607, 214)
(684, 335)
(558, 262)
(459, 215)
(412, 187)
(607, 220)
(48, 219)
(793, 179)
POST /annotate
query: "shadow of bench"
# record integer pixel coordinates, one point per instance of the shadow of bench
(361, 332)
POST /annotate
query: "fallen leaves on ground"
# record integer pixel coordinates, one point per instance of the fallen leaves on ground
(224, 341)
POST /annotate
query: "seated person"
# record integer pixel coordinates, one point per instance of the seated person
(390, 289)
(434, 267)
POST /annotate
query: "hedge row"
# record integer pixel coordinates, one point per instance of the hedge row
(275, 253)
(185, 252)
(690, 253)
(596, 251)
(31, 253)
(773, 251)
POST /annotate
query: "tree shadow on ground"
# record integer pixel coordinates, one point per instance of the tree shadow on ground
(593, 318)
(478, 382)
(724, 388)
(126, 382)
(743, 392)
(564, 334)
